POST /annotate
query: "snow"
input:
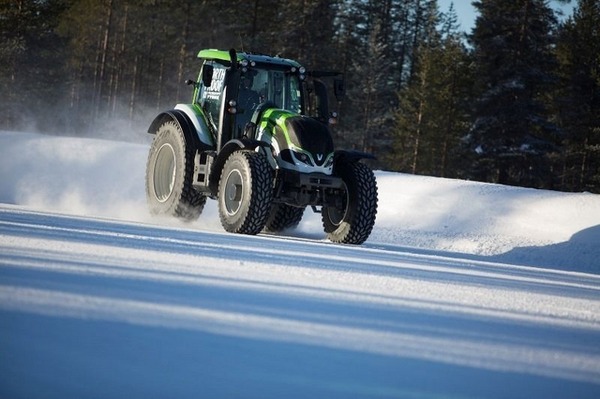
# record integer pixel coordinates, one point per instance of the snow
(463, 290)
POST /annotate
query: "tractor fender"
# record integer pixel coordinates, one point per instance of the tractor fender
(199, 139)
(229, 148)
(196, 116)
(349, 156)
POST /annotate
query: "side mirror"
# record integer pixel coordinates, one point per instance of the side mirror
(339, 89)
(207, 74)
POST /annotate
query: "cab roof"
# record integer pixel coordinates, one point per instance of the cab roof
(223, 55)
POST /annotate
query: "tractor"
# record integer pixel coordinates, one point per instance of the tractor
(256, 138)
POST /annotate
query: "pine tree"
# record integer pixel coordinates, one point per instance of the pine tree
(32, 65)
(455, 93)
(379, 42)
(415, 122)
(578, 99)
(512, 133)
(371, 66)
(432, 113)
(130, 57)
(367, 67)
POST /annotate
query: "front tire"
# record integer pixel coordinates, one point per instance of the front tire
(353, 221)
(245, 192)
(169, 175)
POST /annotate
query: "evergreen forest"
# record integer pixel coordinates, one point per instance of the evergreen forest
(515, 101)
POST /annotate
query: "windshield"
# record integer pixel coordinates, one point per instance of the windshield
(277, 86)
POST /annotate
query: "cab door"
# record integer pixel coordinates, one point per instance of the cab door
(211, 97)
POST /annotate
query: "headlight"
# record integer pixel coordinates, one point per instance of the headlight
(302, 157)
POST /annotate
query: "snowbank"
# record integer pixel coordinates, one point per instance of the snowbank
(95, 177)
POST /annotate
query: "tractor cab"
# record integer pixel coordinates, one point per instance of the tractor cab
(235, 85)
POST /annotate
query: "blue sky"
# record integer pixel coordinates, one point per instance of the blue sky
(466, 12)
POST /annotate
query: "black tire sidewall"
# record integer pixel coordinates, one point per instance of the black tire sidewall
(166, 134)
(340, 229)
(183, 202)
(361, 208)
(251, 216)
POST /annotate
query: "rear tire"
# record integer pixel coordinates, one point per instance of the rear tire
(354, 221)
(245, 192)
(169, 175)
(283, 217)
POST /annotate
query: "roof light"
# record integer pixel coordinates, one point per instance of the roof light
(232, 107)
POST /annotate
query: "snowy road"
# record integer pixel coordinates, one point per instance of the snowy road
(99, 300)
(113, 309)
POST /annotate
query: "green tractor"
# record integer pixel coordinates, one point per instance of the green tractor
(256, 138)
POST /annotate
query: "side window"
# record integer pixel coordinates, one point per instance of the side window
(293, 101)
(277, 95)
(285, 91)
(210, 97)
(261, 84)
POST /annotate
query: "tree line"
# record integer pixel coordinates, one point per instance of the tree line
(514, 101)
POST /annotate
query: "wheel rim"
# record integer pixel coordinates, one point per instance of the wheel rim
(336, 216)
(234, 192)
(164, 172)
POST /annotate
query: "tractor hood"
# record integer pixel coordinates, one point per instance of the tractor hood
(300, 142)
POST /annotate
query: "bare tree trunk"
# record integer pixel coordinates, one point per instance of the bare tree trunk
(415, 41)
(183, 48)
(253, 30)
(450, 118)
(132, 96)
(582, 166)
(367, 118)
(160, 83)
(417, 144)
(104, 52)
(148, 55)
(118, 61)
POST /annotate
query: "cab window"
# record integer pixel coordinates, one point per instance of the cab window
(210, 98)
(280, 88)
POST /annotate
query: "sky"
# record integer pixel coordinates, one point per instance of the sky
(466, 11)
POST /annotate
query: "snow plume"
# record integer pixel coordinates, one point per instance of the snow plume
(98, 177)
(120, 126)
(73, 175)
